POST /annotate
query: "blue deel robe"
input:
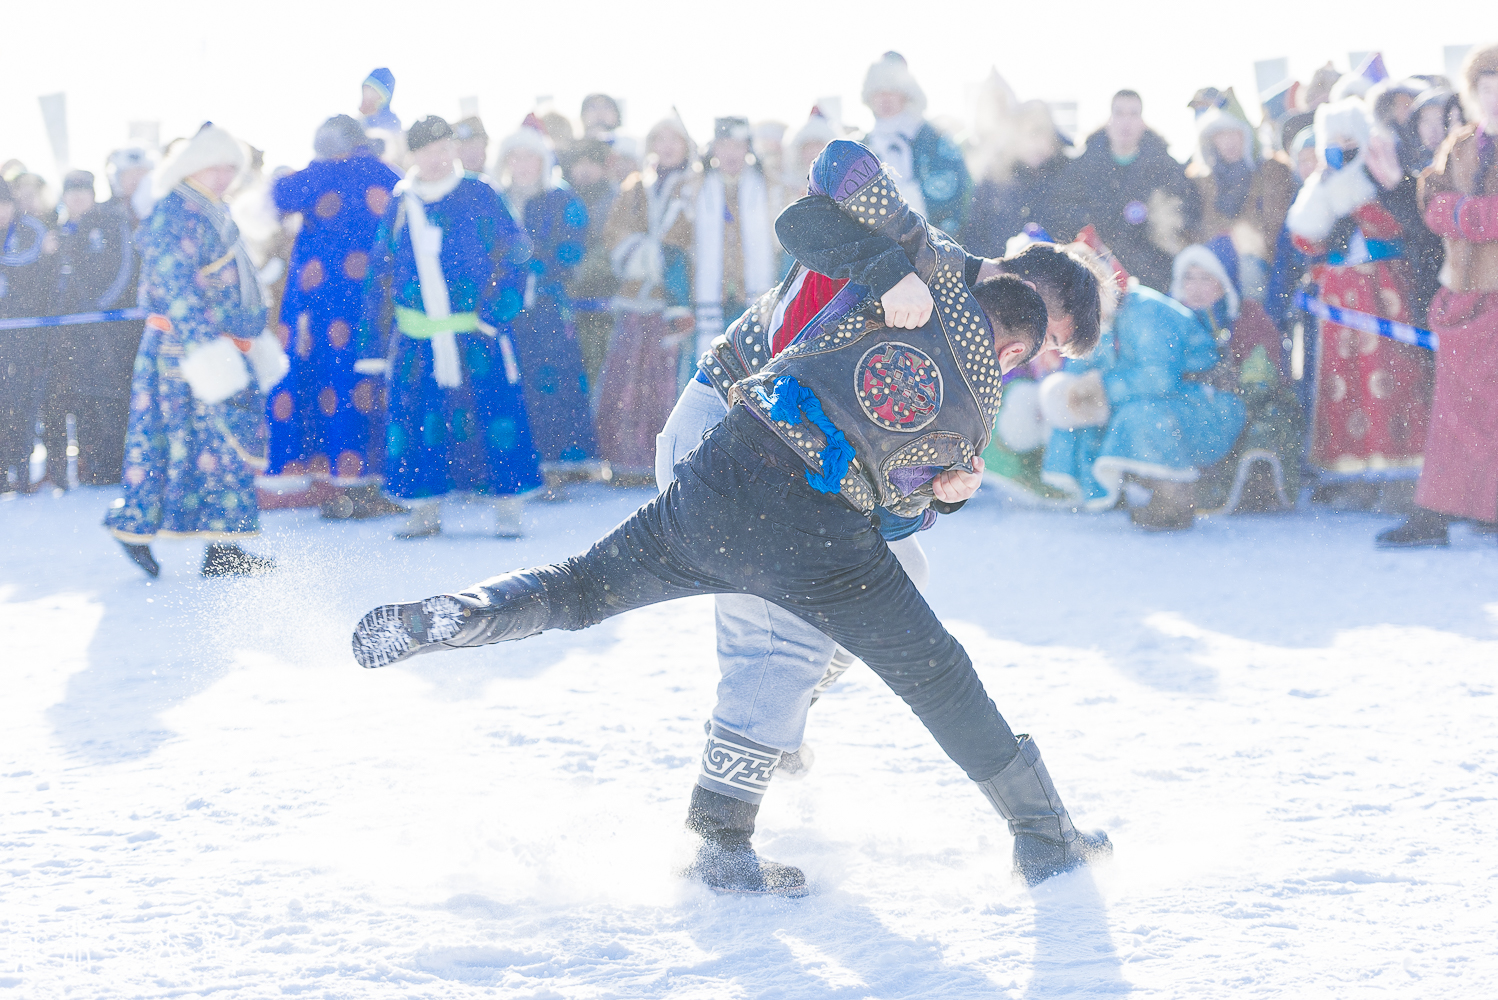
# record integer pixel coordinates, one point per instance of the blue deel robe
(189, 466)
(323, 417)
(556, 384)
(1162, 425)
(474, 438)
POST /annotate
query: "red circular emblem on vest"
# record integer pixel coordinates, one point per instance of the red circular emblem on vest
(899, 386)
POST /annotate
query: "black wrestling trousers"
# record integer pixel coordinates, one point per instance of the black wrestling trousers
(741, 517)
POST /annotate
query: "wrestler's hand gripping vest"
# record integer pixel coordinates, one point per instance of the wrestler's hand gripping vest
(912, 403)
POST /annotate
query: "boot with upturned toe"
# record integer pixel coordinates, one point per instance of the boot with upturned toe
(425, 521)
(141, 556)
(1422, 529)
(1171, 508)
(360, 503)
(726, 862)
(220, 559)
(1045, 841)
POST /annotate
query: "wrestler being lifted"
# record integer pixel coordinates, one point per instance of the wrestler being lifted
(775, 503)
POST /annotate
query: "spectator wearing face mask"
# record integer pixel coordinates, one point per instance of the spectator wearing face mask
(1372, 398)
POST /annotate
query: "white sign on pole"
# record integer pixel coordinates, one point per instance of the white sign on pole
(1270, 73)
(1455, 56)
(55, 117)
(148, 134)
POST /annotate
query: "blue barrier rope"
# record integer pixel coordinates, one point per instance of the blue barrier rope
(1368, 323)
(72, 319)
(592, 305)
(792, 399)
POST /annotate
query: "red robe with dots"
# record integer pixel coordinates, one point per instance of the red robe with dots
(1372, 393)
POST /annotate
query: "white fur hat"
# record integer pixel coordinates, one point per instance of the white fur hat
(211, 147)
(1350, 86)
(816, 129)
(1347, 118)
(1216, 120)
(1197, 255)
(891, 72)
(528, 139)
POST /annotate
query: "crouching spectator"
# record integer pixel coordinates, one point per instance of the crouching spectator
(1137, 408)
(1262, 471)
(1459, 196)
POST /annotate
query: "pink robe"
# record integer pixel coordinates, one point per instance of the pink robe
(1460, 477)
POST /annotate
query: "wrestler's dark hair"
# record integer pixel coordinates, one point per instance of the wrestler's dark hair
(1016, 311)
(1074, 282)
(1126, 93)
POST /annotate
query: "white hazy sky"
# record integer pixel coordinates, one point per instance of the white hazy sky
(271, 71)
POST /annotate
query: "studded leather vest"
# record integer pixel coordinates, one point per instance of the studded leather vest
(912, 403)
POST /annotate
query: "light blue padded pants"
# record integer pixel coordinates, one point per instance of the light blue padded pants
(770, 660)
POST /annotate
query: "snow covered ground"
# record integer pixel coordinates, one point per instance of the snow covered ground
(1289, 736)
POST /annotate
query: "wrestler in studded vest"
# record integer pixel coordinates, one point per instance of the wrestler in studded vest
(910, 403)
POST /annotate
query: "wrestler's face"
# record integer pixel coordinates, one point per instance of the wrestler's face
(1059, 326)
(369, 100)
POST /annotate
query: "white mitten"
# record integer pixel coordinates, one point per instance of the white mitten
(1021, 425)
(268, 359)
(1061, 407)
(215, 371)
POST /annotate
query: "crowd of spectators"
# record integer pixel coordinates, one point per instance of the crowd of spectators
(1214, 390)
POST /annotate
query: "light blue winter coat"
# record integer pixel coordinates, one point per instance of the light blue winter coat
(1163, 425)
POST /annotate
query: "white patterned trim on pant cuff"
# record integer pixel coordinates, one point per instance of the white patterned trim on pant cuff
(736, 766)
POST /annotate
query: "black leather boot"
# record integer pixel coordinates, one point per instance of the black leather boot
(1045, 842)
(512, 606)
(1422, 529)
(725, 859)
